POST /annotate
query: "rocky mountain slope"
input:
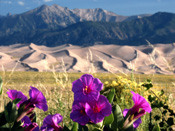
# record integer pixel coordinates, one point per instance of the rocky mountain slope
(158, 28)
(55, 25)
(29, 26)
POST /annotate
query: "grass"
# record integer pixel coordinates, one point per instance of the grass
(57, 89)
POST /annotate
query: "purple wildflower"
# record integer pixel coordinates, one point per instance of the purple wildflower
(78, 113)
(87, 88)
(29, 126)
(135, 113)
(32, 127)
(14, 94)
(37, 99)
(51, 122)
(99, 109)
(26, 120)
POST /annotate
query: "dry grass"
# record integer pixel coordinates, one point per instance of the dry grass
(57, 88)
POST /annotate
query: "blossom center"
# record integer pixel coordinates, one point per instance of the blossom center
(96, 109)
(82, 112)
(87, 90)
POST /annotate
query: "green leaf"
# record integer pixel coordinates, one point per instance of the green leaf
(170, 121)
(1, 83)
(118, 118)
(151, 98)
(14, 113)
(82, 128)
(17, 100)
(162, 92)
(75, 127)
(96, 129)
(148, 84)
(11, 112)
(97, 125)
(5, 127)
(111, 95)
(3, 121)
(156, 128)
(17, 126)
(108, 119)
(8, 109)
(157, 117)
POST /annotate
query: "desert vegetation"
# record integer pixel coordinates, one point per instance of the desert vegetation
(57, 89)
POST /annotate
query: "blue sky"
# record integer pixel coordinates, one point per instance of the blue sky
(121, 7)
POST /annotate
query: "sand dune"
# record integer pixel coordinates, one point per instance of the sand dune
(149, 59)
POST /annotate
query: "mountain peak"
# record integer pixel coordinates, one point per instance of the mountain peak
(163, 13)
(55, 6)
(43, 7)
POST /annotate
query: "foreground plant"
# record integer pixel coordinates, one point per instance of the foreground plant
(164, 118)
(134, 114)
(90, 110)
(19, 114)
(51, 122)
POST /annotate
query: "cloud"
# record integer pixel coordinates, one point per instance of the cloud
(21, 3)
(47, 0)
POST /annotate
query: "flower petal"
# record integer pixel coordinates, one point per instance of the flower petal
(97, 84)
(80, 118)
(26, 120)
(78, 113)
(105, 106)
(125, 111)
(137, 123)
(77, 86)
(57, 118)
(38, 98)
(79, 96)
(99, 109)
(51, 122)
(14, 94)
(87, 79)
(140, 102)
(87, 88)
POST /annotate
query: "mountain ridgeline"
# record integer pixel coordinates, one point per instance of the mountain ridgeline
(55, 25)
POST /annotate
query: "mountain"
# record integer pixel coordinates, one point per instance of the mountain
(157, 28)
(55, 25)
(98, 14)
(53, 17)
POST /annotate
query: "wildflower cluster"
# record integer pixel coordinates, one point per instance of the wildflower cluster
(19, 114)
(122, 86)
(89, 105)
(165, 116)
(90, 110)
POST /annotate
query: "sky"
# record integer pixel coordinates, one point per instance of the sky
(120, 7)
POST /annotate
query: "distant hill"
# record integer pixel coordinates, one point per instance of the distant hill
(55, 25)
(54, 17)
(155, 59)
(158, 28)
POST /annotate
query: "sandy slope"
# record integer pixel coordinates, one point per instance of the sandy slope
(159, 58)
